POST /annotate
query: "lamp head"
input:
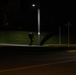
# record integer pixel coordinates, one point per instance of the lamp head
(33, 5)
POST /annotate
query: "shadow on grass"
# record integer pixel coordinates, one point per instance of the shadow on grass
(48, 36)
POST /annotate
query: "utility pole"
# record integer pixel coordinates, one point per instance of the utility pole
(68, 24)
(59, 35)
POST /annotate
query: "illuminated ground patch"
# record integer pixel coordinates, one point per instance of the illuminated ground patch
(71, 51)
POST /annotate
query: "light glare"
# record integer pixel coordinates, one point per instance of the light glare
(33, 5)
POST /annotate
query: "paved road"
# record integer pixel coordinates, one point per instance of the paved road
(34, 62)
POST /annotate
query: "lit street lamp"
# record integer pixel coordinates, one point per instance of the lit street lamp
(33, 5)
(38, 12)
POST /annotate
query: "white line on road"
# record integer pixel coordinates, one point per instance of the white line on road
(41, 65)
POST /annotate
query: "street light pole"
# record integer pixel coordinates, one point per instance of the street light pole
(38, 13)
(59, 35)
(68, 24)
(38, 26)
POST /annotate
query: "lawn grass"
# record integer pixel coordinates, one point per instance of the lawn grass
(18, 37)
(21, 37)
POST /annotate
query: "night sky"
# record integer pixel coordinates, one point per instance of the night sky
(53, 14)
(56, 13)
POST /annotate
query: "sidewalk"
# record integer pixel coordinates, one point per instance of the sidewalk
(60, 45)
(20, 45)
(48, 45)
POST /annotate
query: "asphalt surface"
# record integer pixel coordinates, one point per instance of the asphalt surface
(37, 61)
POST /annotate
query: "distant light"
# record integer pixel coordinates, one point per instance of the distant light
(7, 23)
(33, 5)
